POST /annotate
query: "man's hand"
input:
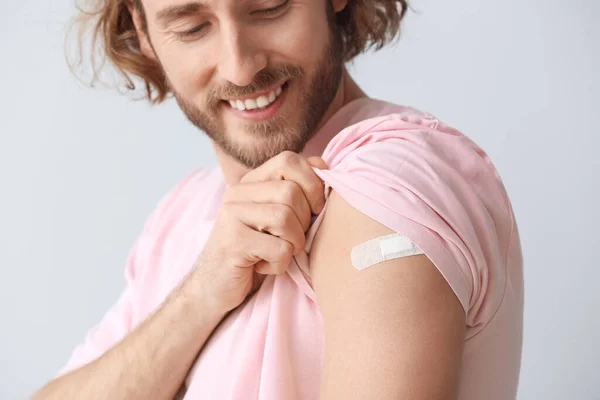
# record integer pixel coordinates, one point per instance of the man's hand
(261, 224)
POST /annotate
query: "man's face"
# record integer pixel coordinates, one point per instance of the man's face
(256, 75)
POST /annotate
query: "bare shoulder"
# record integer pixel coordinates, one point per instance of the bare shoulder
(398, 318)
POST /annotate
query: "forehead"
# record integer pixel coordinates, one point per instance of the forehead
(156, 7)
(163, 12)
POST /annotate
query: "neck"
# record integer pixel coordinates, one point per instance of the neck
(348, 91)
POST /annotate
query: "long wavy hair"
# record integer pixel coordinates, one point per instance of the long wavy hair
(364, 24)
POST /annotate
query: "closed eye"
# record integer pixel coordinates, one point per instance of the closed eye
(191, 32)
(267, 12)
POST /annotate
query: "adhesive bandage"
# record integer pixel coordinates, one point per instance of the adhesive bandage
(382, 249)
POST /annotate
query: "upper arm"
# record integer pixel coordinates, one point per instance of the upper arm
(394, 330)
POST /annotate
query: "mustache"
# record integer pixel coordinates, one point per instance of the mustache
(264, 80)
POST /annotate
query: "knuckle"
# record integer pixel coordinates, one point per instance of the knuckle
(231, 227)
(277, 215)
(282, 215)
(286, 249)
(288, 157)
(289, 192)
(247, 177)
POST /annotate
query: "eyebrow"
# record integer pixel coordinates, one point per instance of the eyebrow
(171, 13)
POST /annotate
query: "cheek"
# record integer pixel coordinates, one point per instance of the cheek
(298, 38)
(298, 43)
(185, 67)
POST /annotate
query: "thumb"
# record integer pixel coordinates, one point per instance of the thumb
(317, 162)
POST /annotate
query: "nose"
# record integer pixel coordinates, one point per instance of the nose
(241, 56)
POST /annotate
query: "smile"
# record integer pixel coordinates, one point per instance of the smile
(260, 107)
(261, 101)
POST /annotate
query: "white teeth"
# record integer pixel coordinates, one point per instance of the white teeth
(262, 101)
(250, 104)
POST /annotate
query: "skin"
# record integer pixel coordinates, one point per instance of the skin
(259, 227)
(239, 51)
(395, 330)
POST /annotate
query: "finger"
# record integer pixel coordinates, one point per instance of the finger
(275, 219)
(273, 255)
(317, 162)
(291, 166)
(272, 192)
(271, 268)
(257, 278)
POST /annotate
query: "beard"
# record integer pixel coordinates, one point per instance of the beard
(263, 140)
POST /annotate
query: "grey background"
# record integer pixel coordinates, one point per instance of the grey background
(81, 169)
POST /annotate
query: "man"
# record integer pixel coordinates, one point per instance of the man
(344, 248)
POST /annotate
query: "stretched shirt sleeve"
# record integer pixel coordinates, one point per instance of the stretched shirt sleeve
(436, 189)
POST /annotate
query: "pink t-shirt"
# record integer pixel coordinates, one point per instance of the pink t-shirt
(402, 168)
